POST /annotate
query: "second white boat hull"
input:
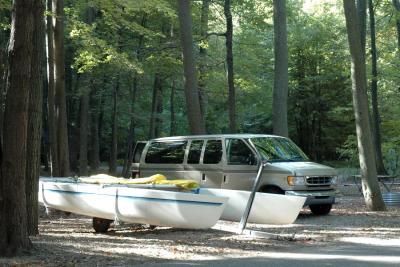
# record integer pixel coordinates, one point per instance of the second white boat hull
(266, 208)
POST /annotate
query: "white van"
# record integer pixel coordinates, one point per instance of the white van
(231, 162)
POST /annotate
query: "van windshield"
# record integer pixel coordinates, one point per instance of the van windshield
(275, 149)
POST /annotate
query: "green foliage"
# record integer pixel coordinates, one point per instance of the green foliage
(135, 40)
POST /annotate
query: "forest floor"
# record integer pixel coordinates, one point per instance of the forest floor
(71, 241)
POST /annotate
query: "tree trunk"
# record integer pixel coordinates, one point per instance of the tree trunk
(370, 186)
(205, 7)
(13, 214)
(280, 93)
(172, 131)
(53, 142)
(34, 134)
(155, 108)
(95, 144)
(229, 63)
(362, 17)
(114, 134)
(130, 143)
(83, 135)
(60, 99)
(129, 153)
(195, 119)
(396, 4)
(374, 94)
(3, 72)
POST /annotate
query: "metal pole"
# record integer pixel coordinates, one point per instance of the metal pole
(246, 214)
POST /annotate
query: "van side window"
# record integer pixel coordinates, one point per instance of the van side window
(166, 152)
(195, 152)
(213, 153)
(137, 152)
(239, 153)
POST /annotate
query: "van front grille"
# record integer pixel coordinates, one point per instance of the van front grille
(318, 180)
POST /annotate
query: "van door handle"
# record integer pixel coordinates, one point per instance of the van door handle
(203, 176)
(224, 178)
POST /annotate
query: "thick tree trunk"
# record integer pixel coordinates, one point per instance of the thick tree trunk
(362, 17)
(13, 214)
(53, 142)
(83, 135)
(374, 93)
(370, 186)
(114, 134)
(205, 7)
(280, 93)
(34, 134)
(396, 4)
(195, 118)
(60, 99)
(3, 72)
(172, 130)
(229, 63)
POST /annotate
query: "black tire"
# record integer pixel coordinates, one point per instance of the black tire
(273, 190)
(101, 225)
(321, 209)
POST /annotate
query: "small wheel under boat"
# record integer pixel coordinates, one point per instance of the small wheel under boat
(101, 225)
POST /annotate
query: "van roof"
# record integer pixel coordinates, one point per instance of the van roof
(213, 136)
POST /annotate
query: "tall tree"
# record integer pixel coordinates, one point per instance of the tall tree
(131, 136)
(396, 4)
(84, 113)
(229, 63)
(60, 99)
(154, 128)
(362, 17)
(205, 8)
(370, 186)
(83, 134)
(172, 128)
(26, 15)
(280, 94)
(34, 134)
(376, 129)
(55, 171)
(94, 159)
(114, 133)
(195, 118)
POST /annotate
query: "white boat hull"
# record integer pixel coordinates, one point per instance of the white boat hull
(266, 208)
(132, 205)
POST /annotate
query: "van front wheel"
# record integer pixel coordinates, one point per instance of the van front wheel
(273, 190)
(321, 209)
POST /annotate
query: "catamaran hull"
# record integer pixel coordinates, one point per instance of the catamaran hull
(266, 208)
(133, 205)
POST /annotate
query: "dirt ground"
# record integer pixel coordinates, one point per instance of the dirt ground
(71, 241)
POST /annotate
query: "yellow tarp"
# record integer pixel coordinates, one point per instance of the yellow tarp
(154, 179)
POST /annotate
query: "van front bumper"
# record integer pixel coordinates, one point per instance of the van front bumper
(315, 197)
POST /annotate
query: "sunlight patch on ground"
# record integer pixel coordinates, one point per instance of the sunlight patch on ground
(372, 241)
(306, 256)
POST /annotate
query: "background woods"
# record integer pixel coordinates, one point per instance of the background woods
(105, 74)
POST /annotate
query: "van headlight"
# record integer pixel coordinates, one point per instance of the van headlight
(296, 180)
(334, 180)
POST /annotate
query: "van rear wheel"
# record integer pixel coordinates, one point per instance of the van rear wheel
(321, 209)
